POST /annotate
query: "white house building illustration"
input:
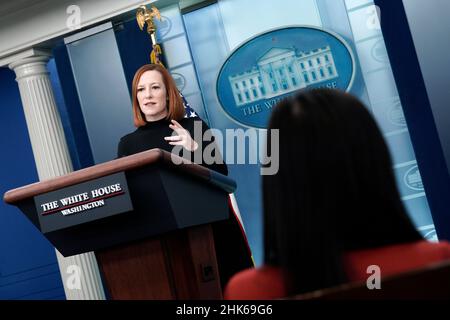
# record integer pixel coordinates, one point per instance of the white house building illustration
(282, 70)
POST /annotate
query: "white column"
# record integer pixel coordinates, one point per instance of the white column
(52, 159)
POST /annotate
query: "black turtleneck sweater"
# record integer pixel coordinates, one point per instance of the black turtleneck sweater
(152, 136)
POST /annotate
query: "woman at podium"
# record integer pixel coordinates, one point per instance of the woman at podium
(159, 116)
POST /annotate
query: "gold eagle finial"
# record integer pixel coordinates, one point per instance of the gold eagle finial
(143, 15)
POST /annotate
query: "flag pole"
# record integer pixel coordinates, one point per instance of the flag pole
(146, 16)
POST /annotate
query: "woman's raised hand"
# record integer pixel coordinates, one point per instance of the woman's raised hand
(182, 137)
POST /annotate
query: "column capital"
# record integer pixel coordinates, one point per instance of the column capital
(23, 55)
(30, 63)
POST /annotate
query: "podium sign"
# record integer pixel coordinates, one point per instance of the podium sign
(84, 202)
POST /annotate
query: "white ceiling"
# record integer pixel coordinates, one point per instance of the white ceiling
(26, 24)
(11, 6)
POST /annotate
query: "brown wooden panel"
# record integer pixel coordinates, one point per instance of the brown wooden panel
(180, 265)
(204, 255)
(177, 265)
(192, 259)
(136, 271)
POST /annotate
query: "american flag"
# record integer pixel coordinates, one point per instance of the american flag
(189, 112)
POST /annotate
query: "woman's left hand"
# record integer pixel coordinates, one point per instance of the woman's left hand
(183, 137)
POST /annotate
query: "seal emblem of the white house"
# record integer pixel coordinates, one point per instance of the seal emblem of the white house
(275, 64)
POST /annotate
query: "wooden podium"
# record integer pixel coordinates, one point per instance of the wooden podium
(148, 221)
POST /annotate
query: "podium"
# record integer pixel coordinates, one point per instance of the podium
(148, 220)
